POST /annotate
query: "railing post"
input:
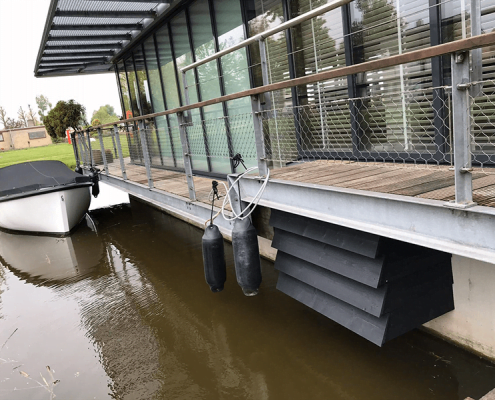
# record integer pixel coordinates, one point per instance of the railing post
(92, 161)
(102, 148)
(82, 141)
(119, 151)
(476, 54)
(146, 155)
(74, 149)
(259, 136)
(187, 157)
(186, 88)
(264, 72)
(462, 130)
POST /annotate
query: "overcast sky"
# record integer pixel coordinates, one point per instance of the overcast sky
(21, 28)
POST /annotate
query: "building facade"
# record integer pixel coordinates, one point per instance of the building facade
(23, 138)
(395, 114)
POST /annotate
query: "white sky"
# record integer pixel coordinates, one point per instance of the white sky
(21, 28)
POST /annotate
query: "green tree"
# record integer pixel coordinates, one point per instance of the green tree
(43, 105)
(66, 114)
(105, 114)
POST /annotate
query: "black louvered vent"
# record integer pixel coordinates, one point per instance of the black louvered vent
(377, 287)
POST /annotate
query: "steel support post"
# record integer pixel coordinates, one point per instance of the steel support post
(146, 154)
(76, 152)
(91, 160)
(264, 73)
(102, 148)
(476, 54)
(187, 156)
(82, 145)
(462, 131)
(186, 88)
(258, 135)
(119, 150)
(235, 198)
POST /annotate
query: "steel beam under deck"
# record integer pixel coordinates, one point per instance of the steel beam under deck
(194, 212)
(429, 223)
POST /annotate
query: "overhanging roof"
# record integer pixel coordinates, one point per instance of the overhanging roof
(82, 36)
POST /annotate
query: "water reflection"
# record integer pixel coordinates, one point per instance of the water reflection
(127, 314)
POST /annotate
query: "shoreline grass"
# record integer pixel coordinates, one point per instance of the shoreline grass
(58, 152)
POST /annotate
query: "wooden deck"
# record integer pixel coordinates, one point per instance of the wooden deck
(435, 183)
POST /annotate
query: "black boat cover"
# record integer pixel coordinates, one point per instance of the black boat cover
(35, 175)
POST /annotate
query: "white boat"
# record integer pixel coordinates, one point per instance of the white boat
(42, 197)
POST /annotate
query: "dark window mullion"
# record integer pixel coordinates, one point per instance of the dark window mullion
(357, 133)
(164, 97)
(122, 105)
(292, 75)
(440, 112)
(222, 85)
(198, 91)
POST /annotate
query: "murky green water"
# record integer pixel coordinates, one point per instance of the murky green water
(126, 314)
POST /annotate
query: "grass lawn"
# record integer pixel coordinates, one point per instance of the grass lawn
(61, 152)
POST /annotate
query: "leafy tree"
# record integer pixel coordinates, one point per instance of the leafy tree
(22, 116)
(43, 105)
(66, 114)
(105, 114)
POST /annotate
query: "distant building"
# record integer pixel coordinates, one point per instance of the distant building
(23, 138)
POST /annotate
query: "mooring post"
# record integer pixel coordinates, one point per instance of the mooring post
(235, 196)
(146, 154)
(258, 135)
(91, 159)
(119, 150)
(462, 130)
(102, 148)
(187, 156)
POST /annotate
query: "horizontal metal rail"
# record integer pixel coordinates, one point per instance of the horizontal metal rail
(417, 55)
(279, 28)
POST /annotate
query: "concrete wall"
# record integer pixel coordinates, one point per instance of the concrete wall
(19, 138)
(472, 323)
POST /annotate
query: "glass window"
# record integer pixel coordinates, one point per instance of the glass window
(318, 46)
(235, 71)
(142, 81)
(164, 145)
(127, 111)
(167, 68)
(183, 57)
(209, 87)
(395, 112)
(280, 130)
(133, 87)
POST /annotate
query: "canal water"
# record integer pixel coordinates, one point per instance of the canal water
(125, 313)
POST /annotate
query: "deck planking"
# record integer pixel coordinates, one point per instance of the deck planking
(436, 183)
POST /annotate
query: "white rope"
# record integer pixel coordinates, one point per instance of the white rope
(254, 202)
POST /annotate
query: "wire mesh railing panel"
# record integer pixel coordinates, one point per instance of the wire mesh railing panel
(403, 127)
(110, 152)
(134, 162)
(482, 113)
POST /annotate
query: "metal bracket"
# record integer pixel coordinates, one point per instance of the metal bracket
(460, 56)
(459, 206)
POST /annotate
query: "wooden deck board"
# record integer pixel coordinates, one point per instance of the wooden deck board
(407, 180)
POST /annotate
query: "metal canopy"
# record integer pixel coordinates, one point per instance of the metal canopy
(82, 36)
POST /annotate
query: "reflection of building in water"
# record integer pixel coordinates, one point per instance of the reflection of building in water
(150, 340)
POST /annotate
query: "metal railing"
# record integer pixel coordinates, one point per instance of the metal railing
(399, 127)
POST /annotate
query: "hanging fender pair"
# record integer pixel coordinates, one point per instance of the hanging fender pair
(244, 243)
